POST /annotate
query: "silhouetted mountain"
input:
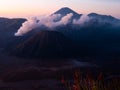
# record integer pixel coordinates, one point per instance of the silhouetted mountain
(45, 44)
(100, 17)
(7, 29)
(8, 24)
(65, 10)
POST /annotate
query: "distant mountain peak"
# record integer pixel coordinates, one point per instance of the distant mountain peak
(66, 10)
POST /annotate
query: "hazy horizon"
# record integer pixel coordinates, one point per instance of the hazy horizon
(27, 8)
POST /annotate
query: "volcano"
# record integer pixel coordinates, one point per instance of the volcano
(45, 44)
(65, 10)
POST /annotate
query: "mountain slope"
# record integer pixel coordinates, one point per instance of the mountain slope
(45, 44)
(106, 17)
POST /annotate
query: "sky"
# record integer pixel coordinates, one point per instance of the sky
(28, 8)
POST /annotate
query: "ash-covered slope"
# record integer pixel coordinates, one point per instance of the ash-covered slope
(45, 44)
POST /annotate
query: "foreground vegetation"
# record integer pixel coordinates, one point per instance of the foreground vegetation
(88, 81)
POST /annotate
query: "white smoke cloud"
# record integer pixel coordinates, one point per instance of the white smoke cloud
(27, 26)
(83, 19)
(48, 21)
(65, 20)
(55, 20)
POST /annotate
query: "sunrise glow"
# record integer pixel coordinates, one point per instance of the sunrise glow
(26, 8)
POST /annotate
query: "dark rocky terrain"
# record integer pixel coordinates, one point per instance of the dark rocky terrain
(46, 44)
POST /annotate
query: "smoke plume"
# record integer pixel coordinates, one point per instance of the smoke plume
(50, 21)
(83, 19)
(56, 20)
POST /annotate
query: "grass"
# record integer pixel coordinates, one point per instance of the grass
(88, 81)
